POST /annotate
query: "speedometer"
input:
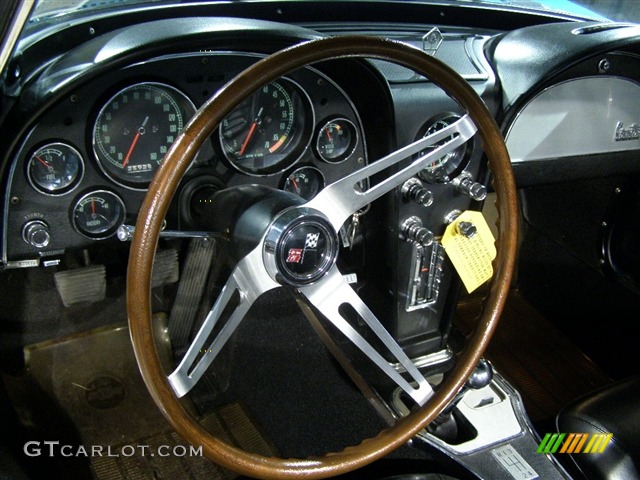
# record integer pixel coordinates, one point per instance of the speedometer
(135, 128)
(267, 132)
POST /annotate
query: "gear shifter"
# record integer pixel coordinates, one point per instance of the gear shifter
(446, 426)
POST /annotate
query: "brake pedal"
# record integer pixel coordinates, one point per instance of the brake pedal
(81, 285)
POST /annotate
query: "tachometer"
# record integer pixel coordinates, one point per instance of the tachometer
(269, 131)
(135, 128)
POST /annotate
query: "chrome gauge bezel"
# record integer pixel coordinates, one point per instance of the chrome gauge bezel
(113, 228)
(108, 165)
(319, 177)
(295, 147)
(71, 186)
(354, 139)
(449, 166)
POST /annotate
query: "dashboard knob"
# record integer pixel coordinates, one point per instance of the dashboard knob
(36, 233)
(412, 230)
(414, 190)
(475, 190)
(466, 229)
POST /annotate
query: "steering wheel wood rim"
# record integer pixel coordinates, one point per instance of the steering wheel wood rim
(164, 186)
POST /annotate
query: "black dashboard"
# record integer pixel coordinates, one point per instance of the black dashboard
(91, 111)
(96, 150)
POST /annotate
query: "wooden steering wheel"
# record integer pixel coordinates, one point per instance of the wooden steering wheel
(318, 279)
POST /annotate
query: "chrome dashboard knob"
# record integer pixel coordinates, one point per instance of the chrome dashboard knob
(36, 233)
(475, 190)
(413, 231)
(414, 190)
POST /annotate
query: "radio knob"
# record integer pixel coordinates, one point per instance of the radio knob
(36, 233)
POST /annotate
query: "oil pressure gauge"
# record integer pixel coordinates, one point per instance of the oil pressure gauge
(305, 182)
(98, 214)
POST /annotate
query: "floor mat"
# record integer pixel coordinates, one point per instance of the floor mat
(87, 389)
(548, 370)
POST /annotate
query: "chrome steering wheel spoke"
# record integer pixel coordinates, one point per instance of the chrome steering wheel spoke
(329, 296)
(344, 197)
(274, 260)
(248, 281)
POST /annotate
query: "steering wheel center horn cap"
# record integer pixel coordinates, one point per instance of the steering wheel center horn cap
(300, 247)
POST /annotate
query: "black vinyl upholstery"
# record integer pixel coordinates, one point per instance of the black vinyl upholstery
(614, 409)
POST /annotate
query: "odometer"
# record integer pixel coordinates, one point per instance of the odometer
(135, 129)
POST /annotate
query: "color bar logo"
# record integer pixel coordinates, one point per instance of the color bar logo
(574, 442)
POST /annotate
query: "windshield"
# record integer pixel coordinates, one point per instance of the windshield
(625, 11)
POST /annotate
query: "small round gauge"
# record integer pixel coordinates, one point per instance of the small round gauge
(337, 140)
(134, 130)
(98, 214)
(448, 166)
(268, 131)
(55, 168)
(305, 182)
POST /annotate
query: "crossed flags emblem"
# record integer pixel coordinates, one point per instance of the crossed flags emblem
(312, 240)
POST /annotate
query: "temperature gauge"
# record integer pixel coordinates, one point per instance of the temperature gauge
(337, 140)
(305, 182)
(55, 169)
(98, 214)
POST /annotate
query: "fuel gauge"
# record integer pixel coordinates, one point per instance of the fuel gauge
(305, 182)
(55, 169)
(98, 214)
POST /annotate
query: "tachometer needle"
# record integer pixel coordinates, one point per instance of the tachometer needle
(135, 141)
(252, 129)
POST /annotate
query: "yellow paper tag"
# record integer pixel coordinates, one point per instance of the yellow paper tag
(471, 254)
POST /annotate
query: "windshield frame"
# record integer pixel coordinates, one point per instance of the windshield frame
(45, 11)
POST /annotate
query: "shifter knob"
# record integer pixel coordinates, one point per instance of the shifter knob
(481, 375)
(479, 378)
(445, 426)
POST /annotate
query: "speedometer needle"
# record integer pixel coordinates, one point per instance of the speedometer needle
(252, 129)
(135, 141)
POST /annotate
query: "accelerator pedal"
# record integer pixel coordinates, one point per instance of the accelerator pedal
(188, 299)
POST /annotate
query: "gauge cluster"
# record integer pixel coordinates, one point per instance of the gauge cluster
(85, 166)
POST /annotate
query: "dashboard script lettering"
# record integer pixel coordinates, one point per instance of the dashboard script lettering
(629, 133)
